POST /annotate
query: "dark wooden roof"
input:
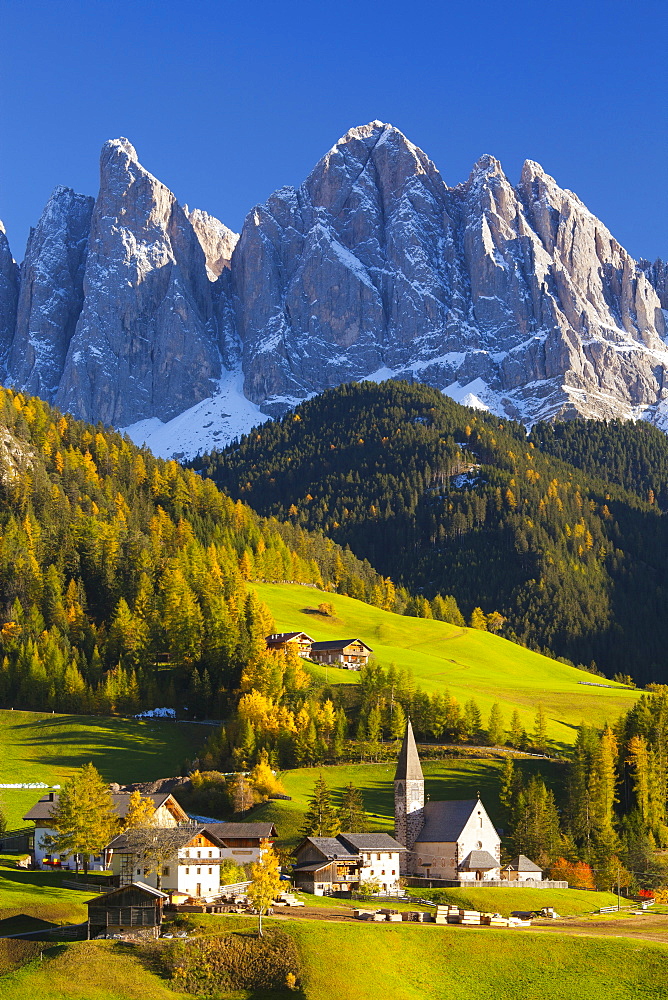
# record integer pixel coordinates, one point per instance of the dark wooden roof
(286, 636)
(121, 800)
(408, 765)
(337, 644)
(179, 836)
(371, 842)
(136, 887)
(242, 831)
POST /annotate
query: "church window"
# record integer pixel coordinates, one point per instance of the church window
(481, 821)
(479, 845)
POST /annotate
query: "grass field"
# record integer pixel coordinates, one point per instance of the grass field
(37, 895)
(38, 747)
(449, 779)
(567, 902)
(345, 961)
(469, 663)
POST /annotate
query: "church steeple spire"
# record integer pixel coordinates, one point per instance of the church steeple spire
(408, 765)
(408, 794)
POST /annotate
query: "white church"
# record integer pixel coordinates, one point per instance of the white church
(455, 840)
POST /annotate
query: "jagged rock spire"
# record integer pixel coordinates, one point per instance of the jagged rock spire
(408, 765)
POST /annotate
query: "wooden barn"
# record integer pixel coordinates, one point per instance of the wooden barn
(132, 908)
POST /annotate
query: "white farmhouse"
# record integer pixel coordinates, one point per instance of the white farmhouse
(192, 870)
(167, 813)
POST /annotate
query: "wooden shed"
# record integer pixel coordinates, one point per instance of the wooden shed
(132, 908)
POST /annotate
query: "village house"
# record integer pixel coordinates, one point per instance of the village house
(329, 865)
(134, 908)
(351, 654)
(192, 869)
(455, 840)
(243, 843)
(291, 640)
(167, 813)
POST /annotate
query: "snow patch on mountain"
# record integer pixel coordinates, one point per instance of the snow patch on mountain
(212, 423)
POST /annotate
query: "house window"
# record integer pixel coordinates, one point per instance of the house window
(378, 857)
(198, 871)
(187, 871)
(210, 854)
(139, 871)
(394, 872)
(165, 870)
(210, 871)
(187, 854)
(383, 872)
(199, 854)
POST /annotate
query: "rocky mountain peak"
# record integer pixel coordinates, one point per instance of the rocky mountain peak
(515, 298)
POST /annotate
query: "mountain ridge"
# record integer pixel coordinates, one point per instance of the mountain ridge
(514, 298)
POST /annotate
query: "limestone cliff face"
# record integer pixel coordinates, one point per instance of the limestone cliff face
(51, 294)
(512, 297)
(216, 240)
(145, 343)
(375, 266)
(9, 294)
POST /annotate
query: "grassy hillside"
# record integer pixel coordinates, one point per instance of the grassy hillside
(396, 962)
(36, 895)
(451, 779)
(405, 963)
(470, 663)
(444, 499)
(567, 902)
(48, 748)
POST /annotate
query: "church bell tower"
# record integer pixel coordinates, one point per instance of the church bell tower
(408, 794)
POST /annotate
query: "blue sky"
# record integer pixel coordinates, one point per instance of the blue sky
(226, 101)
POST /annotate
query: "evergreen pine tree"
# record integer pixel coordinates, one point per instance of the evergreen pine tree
(321, 819)
(352, 817)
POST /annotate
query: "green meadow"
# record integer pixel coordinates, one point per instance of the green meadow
(346, 961)
(467, 662)
(38, 747)
(454, 778)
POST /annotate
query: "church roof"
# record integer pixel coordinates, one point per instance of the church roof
(478, 861)
(444, 821)
(408, 765)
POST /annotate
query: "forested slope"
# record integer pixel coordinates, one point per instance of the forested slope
(123, 577)
(449, 500)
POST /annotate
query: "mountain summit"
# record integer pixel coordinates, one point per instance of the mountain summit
(133, 309)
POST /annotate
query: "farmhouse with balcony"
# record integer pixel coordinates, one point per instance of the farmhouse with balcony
(351, 654)
(244, 843)
(329, 865)
(191, 866)
(299, 641)
(167, 813)
(454, 841)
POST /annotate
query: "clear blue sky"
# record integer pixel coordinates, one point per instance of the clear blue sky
(227, 100)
